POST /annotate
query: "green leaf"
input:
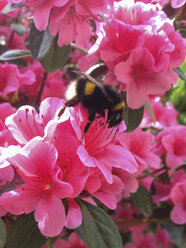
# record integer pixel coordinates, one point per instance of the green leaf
(11, 7)
(56, 57)
(132, 117)
(180, 73)
(176, 232)
(99, 228)
(14, 54)
(25, 234)
(3, 234)
(81, 233)
(39, 42)
(183, 239)
(143, 201)
(150, 111)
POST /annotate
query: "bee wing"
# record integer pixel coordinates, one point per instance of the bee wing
(98, 84)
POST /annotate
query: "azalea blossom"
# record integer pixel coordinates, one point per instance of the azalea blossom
(67, 18)
(12, 79)
(43, 187)
(55, 85)
(165, 115)
(140, 47)
(178, 197)
(148, 239)
(171, 142)
(97, 150)
(139, 143)
(73, 241)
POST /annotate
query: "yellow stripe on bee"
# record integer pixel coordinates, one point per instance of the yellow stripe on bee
(119, 106)
(89, 88)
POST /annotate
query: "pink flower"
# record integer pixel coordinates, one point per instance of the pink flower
(74, 172)
(140, 48)
(43, 188)
(129, 180)
(177, 3)
(6, 175)
(172, 143)
(177, 55)
(150, 240)
(54, 87)
(12, 79)
(141, 79)
(70, 20)
(70, 27)
(6, 137)
(97, 150)
(178, 197)
(163, 238)
(3, 3)
(139, 143)
(105, 192)
(17, 42)
(26, 123)
(165, 115)
(123, 212)
(73, 242)
(141, 240)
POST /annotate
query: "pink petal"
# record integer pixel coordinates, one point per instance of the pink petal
(50, 214)
(74, 216)
(49, 107)
(18, 201)
(118, 157)
(25, 124)
(178, 215)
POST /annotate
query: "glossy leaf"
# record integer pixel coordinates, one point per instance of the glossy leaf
(99, 228)
(24, 233)
(150, 111)
(56, 57)
(180, 73)
(39, 42)
(3, 233)
(176, 232)
(14, 54)
(132, 117)
(183, 239)
(11, 7)
(143, 201)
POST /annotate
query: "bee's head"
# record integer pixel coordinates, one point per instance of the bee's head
(115, 118)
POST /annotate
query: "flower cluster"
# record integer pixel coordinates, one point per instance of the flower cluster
(53, 164)
(68, 18)
(140, 47)
(50, 167)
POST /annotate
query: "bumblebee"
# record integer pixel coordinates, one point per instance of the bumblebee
(97, 98)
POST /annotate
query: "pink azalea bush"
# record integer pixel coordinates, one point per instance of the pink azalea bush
(140, 48)
(75, 185)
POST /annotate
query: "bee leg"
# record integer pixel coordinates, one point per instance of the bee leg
(91, 118)
(72, 102)
(61, 112)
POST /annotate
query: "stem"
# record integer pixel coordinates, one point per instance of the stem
(13, 32)
(84, 51)
(125, 224)
(42, 87)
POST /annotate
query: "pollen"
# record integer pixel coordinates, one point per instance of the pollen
(71, 91)
(119, 106)
(89, 88)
